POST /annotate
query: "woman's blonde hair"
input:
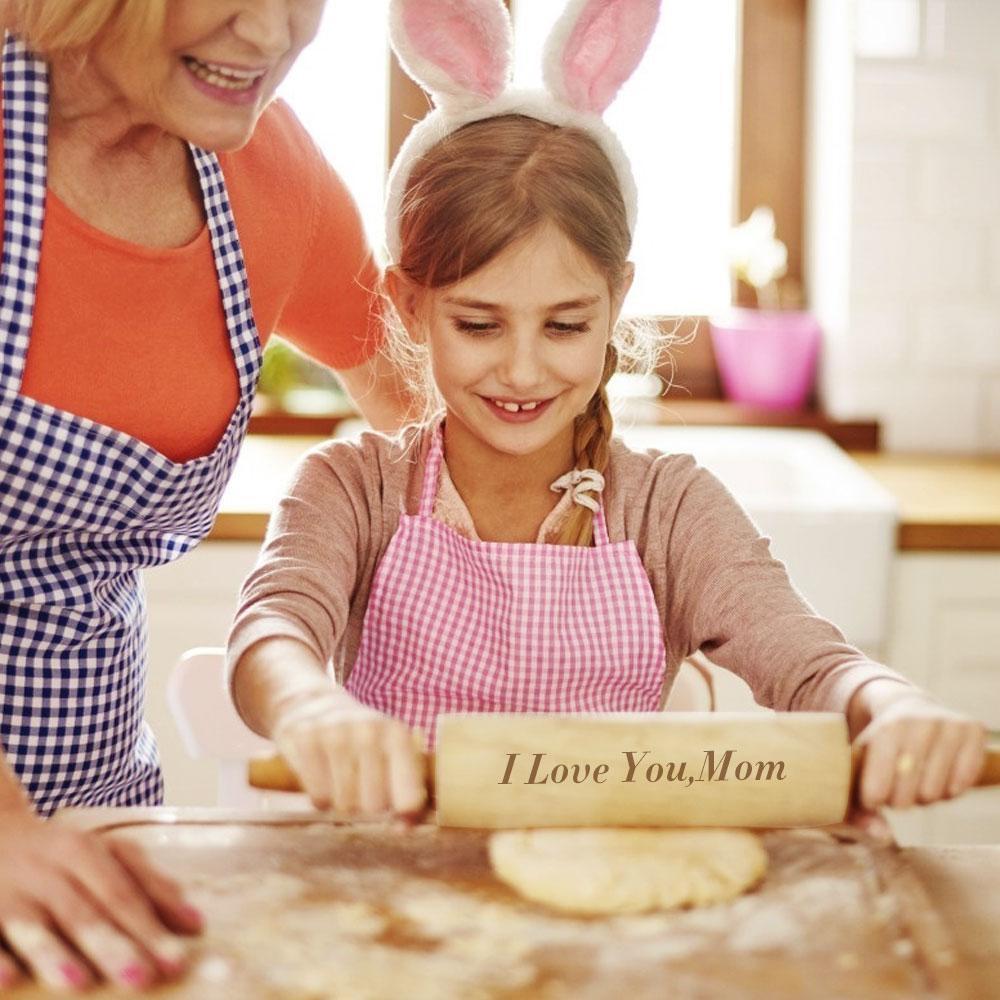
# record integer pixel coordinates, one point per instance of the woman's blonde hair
(489, 184)
(51, 27)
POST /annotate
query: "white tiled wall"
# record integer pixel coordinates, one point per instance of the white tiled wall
(918, 344)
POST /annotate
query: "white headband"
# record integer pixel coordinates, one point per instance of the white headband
(461, 53)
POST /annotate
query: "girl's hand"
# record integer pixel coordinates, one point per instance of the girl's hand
(916, 750)
(349, 757)
(73, 902)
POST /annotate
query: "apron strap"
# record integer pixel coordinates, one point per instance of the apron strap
(432, 472)
(601, 536)
(25, 124)
(231, 270)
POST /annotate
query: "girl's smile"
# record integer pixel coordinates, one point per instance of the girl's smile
(517, 411)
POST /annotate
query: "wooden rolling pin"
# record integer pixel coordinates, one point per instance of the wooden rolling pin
(496, 770)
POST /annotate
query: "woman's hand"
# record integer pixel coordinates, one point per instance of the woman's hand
(73, 903)
(914, 750)
(349, 757)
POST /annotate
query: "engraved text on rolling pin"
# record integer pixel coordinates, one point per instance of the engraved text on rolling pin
(635, 767)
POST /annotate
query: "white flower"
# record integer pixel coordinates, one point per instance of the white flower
(754, 253)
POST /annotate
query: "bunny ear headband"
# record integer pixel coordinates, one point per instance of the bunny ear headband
(461, 52)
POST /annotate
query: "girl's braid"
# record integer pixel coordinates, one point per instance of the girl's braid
(592, 447)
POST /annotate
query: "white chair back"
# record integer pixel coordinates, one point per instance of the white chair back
(210, 727)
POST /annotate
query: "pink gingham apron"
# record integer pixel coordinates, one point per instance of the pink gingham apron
(459, 625)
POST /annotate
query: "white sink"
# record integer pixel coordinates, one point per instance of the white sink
(832, 525)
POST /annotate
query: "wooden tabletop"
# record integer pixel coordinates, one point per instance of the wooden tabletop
(964, 884)
(292, 898)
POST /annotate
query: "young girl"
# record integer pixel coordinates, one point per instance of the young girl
(511, 554)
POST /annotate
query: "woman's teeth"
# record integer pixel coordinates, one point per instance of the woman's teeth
(223, 76)
(516, 407)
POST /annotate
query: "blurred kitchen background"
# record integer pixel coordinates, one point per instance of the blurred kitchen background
(858, 420)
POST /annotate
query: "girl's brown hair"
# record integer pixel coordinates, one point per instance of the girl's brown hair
(489, 184)
(51, 27)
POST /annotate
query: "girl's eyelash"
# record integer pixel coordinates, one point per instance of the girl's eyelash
(468, 327)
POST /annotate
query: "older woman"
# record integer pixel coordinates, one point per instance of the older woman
(162, 218)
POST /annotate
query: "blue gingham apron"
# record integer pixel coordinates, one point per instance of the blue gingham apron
(84, 507)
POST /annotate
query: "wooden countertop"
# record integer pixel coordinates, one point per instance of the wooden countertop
(946, 502)
(262, 474)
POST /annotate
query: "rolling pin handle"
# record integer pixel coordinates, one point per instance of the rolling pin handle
(273, 774)
(990, 774)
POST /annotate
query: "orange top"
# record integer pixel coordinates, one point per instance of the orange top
(135, 337)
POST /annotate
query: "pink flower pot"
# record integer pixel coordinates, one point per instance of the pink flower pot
(766, 357)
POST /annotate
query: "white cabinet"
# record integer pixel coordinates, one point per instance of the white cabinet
(191, 603)
(944, 634)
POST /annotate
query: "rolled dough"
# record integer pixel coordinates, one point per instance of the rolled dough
(627, 870)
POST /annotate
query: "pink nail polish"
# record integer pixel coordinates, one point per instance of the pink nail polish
(134, 975)
(193, 915)
(73, 974)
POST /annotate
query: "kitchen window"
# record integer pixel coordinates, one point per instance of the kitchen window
(675, 117)
(712, 120)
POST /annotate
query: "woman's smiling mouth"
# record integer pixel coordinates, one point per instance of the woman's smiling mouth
(227, 82)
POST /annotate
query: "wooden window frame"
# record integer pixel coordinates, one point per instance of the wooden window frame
(770, 153)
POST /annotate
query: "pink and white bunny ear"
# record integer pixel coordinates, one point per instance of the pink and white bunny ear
(460, 51)
(595, 47)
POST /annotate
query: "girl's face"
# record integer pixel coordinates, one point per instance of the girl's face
(214, 69)
(518, 348)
